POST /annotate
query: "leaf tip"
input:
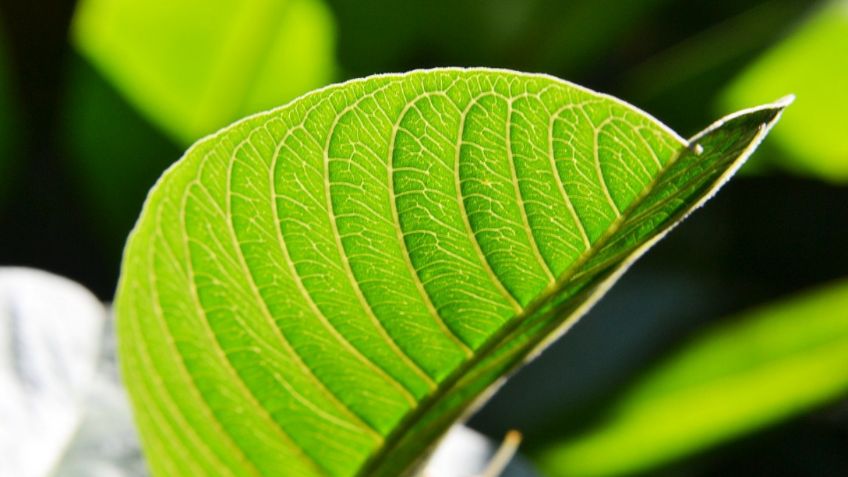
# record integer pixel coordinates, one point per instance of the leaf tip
(785, 101)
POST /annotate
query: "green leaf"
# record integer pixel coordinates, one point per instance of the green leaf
(326, 287)
(811, 63)
(194, 66)
(759, 368)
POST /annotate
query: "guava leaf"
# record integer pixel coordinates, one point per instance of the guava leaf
(195, 66)
(327, 287)
(759, 368)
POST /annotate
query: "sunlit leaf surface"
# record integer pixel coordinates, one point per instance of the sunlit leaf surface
(758, 368)
(194, 66)
(812, 63)
(327, 287)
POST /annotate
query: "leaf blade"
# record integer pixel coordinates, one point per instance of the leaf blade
(399, 206)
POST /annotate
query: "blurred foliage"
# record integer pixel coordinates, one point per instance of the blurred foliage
(813, 64)
(194, 66)
(760, 367)
(113, 162)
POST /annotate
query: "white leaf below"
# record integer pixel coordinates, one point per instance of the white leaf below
(106, 443)
(464, 452)
(50, 333)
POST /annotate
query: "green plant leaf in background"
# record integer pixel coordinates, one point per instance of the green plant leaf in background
(114, 155)
(759, 368)
(325, 288)
(194, 66)
(812, 63)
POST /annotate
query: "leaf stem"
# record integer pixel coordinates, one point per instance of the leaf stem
(504, 455)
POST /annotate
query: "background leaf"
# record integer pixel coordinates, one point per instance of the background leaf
(811, 62)
(328, 286)
(194, 66)
(755, 369)
(113, 162)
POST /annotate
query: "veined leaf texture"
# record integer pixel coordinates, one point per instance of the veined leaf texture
(324, 288)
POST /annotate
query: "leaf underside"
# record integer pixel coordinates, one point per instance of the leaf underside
(323, 289)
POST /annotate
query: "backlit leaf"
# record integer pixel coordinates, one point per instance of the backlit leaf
(325, 288)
